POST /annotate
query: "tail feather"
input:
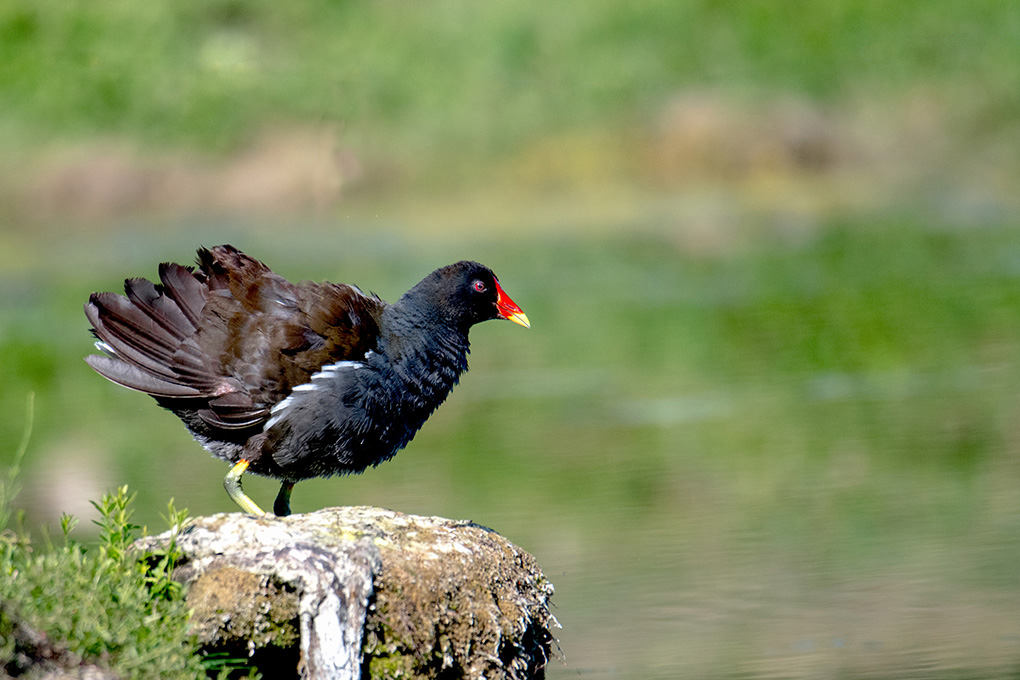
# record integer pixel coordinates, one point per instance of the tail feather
(116, 338)
(181, 285)
(130, 324)
(147, 297)
(150, 336)
(177, 339)
(189, 360)
(131, 376)
(189, 366)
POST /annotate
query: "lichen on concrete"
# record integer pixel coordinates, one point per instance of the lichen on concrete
(454, 599)
(365, 592)
(229, 604)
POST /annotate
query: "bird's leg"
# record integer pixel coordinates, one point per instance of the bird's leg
(232, 483)
(281, 507)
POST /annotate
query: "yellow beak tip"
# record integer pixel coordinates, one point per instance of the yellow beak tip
(520, 318)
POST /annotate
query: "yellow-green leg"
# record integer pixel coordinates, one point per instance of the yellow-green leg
(232, 483)
(281, 507)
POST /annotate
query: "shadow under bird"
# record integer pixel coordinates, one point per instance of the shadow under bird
(292, 381)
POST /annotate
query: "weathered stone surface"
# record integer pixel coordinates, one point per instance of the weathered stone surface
(366, 591)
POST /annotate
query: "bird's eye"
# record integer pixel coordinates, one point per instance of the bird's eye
(478, 286)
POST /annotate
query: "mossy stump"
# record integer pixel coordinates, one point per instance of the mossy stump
(364, 592)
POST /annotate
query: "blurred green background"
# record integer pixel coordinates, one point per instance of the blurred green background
(764, 424)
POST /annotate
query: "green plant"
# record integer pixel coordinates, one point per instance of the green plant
(9, 482)
(107, 605)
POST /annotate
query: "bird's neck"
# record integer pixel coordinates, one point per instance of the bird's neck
(427, 357)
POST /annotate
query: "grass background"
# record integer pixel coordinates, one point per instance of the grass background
(764, 422)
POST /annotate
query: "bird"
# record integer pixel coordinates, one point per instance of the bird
(291, 380)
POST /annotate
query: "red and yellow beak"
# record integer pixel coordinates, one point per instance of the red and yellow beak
(508, 309)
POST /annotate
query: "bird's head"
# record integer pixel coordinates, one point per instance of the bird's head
(466, 293)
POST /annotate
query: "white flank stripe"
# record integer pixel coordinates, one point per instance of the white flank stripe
(282, 405)
(326, 372)
(330, 370)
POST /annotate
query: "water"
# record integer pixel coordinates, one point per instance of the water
(797, 461)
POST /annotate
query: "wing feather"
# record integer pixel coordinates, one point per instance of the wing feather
(230, 340)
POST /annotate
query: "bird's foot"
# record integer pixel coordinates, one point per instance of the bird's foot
(232, 483)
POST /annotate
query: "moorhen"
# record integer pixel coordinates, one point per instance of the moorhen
(292, 381)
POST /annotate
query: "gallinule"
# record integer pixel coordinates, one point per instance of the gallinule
(292, 381)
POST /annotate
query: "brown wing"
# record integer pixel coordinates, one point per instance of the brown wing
(229, 340)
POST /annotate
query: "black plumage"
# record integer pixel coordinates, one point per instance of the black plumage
(292, 381)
